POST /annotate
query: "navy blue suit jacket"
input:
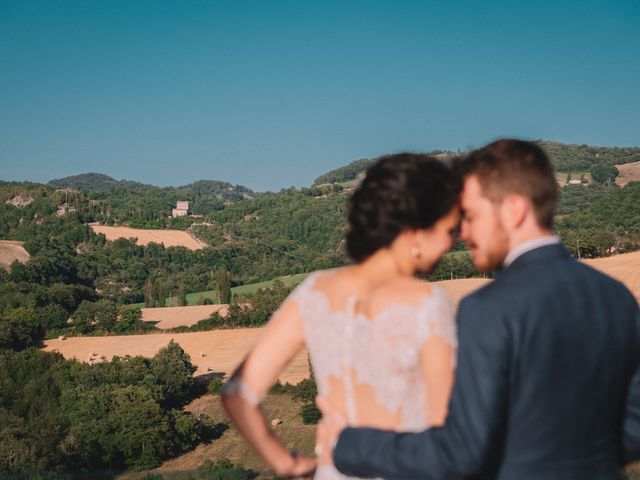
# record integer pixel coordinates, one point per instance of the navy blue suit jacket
(547, 384)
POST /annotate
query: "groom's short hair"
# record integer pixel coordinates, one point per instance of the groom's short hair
(514, 167)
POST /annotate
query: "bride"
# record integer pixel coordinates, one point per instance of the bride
(381, 342)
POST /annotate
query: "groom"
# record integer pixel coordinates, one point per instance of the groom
(548, 379)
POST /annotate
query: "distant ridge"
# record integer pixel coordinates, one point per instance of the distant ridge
(351, 171)
(99, 181)
(215, 187)
(95, 181)
(565, 157)
(344, 174)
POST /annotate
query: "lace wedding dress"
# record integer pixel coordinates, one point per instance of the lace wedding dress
(371, 366)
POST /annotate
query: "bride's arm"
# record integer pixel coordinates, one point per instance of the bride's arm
(281, 339)
(437, 365)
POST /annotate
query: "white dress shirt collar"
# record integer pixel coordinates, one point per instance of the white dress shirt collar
(529, 245)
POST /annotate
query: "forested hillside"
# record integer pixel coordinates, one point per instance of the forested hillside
(256, 237)
(60, 415)
(351, 171)
(147, 206)
(95, 181)
(251, 238)
(565, 158)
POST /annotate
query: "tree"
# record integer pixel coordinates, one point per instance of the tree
(15, 451)
(187, 431)
(223, 286)
(129, 318)
(20, 328)
(603, 172)
(141, 431)
(114, 426)
(154, 292)
(159, 294)
(182, 296)
(174, 373)
(105, 314)
(149, 293)
(53, 316)
(84, 318)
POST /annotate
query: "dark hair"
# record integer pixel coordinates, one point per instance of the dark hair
(399, 192)
(514, 167)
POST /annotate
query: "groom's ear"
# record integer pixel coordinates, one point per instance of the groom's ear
(514, 210)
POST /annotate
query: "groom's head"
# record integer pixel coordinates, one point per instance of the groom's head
(509, 196)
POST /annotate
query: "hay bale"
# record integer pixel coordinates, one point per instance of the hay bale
(275, 422)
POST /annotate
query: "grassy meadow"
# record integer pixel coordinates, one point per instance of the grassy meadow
(249, 289)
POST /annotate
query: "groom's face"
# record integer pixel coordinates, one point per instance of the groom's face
(481, 227)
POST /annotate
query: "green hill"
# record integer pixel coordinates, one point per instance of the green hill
(350, 172)
(258, 237)
(578, 158)
(565, 158)
(95, 181)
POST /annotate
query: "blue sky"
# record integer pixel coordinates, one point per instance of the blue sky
(271, 94)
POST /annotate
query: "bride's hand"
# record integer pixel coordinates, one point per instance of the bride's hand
(300, 467)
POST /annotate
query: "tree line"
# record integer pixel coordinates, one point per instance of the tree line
(60, 415)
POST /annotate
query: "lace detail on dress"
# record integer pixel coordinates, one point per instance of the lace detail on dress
(382, 352)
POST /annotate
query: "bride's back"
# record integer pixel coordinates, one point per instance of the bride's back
(367, 344)
(381, 342)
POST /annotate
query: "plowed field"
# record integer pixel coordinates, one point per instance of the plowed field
(170, 317)
(217, 351)
(169, 238)
(624, 267)
(628, 172)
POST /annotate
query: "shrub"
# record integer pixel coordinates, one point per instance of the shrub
(53, 316)
(20, 328)
(602, 172)
(310, 414)
(215, 385)
(223, 470)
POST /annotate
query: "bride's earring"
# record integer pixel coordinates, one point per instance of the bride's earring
(415, 252)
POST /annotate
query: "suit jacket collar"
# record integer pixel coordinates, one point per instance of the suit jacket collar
(538, 255)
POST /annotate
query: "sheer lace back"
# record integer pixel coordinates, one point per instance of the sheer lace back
(372, 365)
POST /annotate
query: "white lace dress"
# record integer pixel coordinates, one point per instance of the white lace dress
(375, 357)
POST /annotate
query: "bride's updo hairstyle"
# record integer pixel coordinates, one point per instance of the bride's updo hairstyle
(400, 192)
